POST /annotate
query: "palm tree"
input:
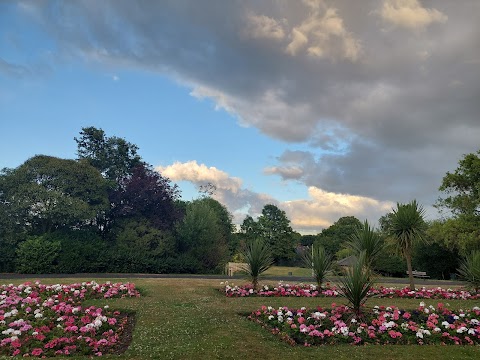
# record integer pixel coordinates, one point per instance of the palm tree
(407, 226)
(320, 262)
(258, 259)
(366, 239)
(470, 269)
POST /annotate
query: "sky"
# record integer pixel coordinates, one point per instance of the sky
(323, 108)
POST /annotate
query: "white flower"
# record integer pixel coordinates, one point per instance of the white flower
(461, 330)
(437, 329)
(420, 334)
(474, 322)
(471, 331)
(280, 318)
(422, 304)
(38, 316)
(271, 317)
(446, 324)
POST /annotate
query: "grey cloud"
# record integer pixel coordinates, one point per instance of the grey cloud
(387, 123)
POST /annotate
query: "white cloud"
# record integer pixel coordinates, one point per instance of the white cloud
(323, 34)
(261, 26)
(323, 208)
(200, 174)
(311, 215)
(410, 14)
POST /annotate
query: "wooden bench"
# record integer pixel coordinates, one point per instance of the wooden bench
(231, 268)
(419, 274)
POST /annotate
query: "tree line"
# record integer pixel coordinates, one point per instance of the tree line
(110, 211)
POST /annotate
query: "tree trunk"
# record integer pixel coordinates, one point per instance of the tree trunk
(408, 257)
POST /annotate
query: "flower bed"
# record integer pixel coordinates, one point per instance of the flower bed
(310, 290)
(48, 320)
(381, 325)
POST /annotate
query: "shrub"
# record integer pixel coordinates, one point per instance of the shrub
(470, 269)
(37, 255)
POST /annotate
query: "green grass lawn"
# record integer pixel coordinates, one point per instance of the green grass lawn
(191, 319)
(288, 271)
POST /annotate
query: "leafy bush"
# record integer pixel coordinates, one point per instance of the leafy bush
(37, 255)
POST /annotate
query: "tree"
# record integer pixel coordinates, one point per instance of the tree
(334, 237)
(459, 234)
(366, 239)
(462, 188)
(46, 193)
(224, 219)
(146, 194)
(436, 259)
(258, 259)
(200, 238)
(249, 228)
(114, 157)
(407, 227)
(274, 227)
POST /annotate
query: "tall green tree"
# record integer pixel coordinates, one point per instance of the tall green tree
(274, 227)
(114, 157)
(46, 193)
(200, 238)
(462, 187)
(249, 228)
(408, 226)
(334, 237)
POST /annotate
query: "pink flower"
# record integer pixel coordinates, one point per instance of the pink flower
(37, 352)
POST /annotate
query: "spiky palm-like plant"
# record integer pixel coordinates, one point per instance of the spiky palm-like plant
(258, 259)
(368, 240)
(356, 283)
(470, 269)
(407, 226)
(319, 261)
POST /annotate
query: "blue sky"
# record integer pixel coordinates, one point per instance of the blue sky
(326, 109)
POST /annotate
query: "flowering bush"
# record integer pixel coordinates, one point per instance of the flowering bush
(310, 290)
(48, 320)
(382, 325)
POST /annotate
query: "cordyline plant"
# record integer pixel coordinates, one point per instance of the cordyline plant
(320, 262)
(368, 240)
(407, 227)
(356, 284)
(470, 269)
(258, 259)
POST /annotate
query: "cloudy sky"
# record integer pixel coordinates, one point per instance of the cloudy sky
(324, 108)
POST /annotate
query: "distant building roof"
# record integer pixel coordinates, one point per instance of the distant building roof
(348, 261)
